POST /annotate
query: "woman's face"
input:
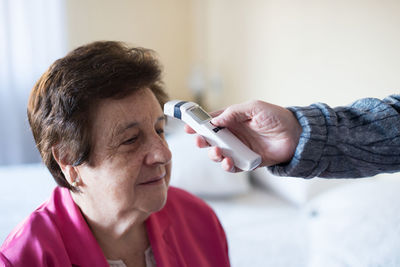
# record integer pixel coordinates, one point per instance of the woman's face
(130, 163)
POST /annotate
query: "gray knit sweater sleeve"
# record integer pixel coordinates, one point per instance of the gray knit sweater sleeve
(359, 140)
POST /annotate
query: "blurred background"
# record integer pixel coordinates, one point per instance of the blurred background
(219, 52)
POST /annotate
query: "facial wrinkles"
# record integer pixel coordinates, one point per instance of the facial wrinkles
(117, 116)
(148, 142)
(109, 134)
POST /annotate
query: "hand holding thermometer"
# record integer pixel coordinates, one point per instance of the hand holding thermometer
(194, 116)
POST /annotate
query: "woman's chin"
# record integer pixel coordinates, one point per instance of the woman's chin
(160, 205)
(162, 200)
(154, 201)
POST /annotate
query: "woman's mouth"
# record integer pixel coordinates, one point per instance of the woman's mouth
(154, 180)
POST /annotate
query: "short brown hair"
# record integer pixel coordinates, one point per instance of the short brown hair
(61, 101)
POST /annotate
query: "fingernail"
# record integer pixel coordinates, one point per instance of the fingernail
(214, 121)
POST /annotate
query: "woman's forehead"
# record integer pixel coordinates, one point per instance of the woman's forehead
(135, 108)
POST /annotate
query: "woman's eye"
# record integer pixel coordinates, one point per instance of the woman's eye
(130, 140)
(160, 131)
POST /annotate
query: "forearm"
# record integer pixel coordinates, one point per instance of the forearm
(354, 141)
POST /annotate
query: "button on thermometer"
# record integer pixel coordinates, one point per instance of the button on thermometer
(200, 121)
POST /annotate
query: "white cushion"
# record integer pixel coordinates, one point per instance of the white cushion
(296, 190)
(357, 224)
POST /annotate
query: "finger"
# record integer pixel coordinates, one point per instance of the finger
(238, 113)
(215, 154)
(201, 142)
(189, 129)
(216, 113)
(228, 165)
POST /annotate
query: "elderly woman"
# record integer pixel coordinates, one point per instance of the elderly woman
(98, 123)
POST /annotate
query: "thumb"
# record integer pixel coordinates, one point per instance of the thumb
(234, 113)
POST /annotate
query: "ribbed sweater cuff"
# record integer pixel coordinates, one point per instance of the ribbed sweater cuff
(305, 162)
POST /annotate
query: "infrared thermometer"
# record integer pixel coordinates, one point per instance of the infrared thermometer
(200, 121)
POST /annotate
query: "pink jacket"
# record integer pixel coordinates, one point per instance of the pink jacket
(186, 232)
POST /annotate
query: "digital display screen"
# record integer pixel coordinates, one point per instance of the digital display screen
(200, 114)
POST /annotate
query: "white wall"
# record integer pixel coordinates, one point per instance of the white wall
(164, 26)
(283, 51)
(299, 52)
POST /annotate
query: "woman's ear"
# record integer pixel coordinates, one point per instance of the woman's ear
(70, 172)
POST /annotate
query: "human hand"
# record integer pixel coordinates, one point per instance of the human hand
(269, 130)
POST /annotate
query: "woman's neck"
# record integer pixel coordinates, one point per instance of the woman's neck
(130, 247)
(121, 237)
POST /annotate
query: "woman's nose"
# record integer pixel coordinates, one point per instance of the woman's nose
(159, 152)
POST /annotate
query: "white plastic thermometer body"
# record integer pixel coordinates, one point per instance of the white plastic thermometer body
(194, 116)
